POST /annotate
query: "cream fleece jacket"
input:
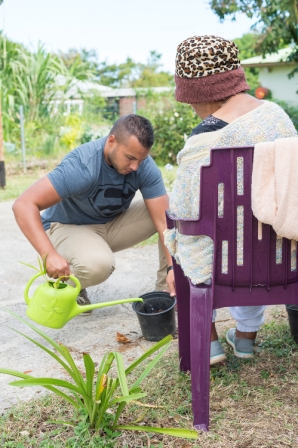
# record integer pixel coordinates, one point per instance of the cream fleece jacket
(275, 185)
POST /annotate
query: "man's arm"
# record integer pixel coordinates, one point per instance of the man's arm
(27, 208)
(156, 208)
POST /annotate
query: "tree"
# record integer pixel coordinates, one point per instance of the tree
(28, 79)
(36, 81)
(84, 65)
(9, 69)
(276, 21)
(121, 75)
(135, 74)
(150, 74)
(246, 45)
(9, 65)
(80, 65)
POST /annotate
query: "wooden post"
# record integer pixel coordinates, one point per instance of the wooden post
(2, 163)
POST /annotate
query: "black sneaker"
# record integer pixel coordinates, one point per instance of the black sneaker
(82, 300)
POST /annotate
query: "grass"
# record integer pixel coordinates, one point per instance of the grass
(17, 181)
(15, 185)
(152, 240)
(253, 403)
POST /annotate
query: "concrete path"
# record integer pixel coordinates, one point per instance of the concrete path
(134, 275)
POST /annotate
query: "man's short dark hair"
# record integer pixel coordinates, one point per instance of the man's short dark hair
(135, 125)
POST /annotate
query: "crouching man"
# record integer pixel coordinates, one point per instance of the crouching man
(89, 209)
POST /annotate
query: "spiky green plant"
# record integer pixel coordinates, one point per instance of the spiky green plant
(97, 393)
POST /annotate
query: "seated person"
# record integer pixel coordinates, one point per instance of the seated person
(210, 78)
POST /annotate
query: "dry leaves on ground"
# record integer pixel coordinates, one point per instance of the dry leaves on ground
(122, 339)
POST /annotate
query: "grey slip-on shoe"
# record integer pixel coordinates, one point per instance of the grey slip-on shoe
(243, 348)
(216, 353)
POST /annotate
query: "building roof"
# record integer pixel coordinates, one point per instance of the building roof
(77, 87)
(270, 59)
(121, 92)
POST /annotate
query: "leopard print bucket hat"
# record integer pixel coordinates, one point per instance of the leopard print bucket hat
(208, 69)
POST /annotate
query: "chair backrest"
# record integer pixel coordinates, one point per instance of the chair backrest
(247, 253)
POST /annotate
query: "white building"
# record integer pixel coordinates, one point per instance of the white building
(73, 98)
(273, 75)
(126, 100)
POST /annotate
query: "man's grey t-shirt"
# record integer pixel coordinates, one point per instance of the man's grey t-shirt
(92, 192)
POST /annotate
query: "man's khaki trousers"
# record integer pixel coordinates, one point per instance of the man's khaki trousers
(89, 249)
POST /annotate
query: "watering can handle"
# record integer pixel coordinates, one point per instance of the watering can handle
(71, 277)
(27, 298)
(77, 283)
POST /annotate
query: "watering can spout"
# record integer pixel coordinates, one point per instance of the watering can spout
(78, 309)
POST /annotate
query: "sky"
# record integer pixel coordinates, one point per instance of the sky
(116, 29)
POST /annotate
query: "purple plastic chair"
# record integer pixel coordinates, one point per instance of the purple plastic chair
(255, 277)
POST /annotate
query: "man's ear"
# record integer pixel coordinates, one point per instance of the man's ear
(112, 139)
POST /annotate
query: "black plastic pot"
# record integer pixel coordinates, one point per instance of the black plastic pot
(156, 315)
(292, 311)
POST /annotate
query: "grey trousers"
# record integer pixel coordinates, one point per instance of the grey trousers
(89, 249)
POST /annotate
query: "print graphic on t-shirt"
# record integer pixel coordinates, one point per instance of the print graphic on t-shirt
(110, 200)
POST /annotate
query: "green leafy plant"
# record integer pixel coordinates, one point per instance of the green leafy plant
(97, 395)
(172, 121)
(42, 268)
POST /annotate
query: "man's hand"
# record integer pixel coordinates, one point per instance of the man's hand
(171, 283)
(57, 266)
(157, 210)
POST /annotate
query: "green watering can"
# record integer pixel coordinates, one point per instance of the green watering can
(53, 307)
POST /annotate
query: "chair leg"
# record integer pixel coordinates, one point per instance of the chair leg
(200, 332)
(182, 295)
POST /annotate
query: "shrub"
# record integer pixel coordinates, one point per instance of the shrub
(172, 122)
(292, 111)
(172, 128)
(71, 131)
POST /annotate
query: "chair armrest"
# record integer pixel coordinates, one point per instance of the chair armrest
(170, 220)
(185, 226)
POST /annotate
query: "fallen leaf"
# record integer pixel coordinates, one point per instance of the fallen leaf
(140, 418)
(122, 339)
(147, 405)
(176, 418)
(24, 433)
